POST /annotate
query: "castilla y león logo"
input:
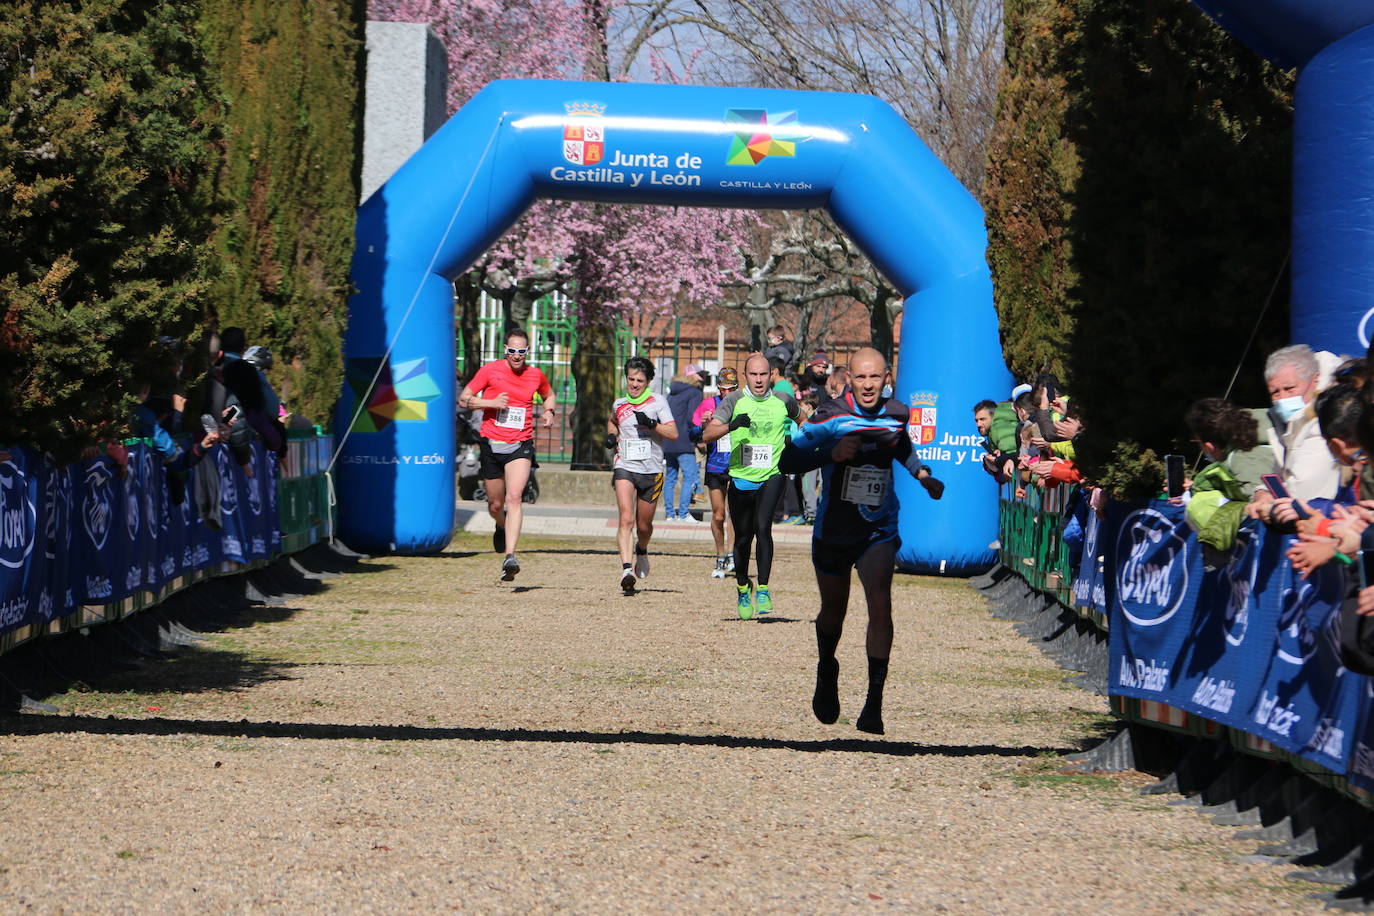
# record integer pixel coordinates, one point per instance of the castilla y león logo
(759, 135)
(584, 133)
(401, 394)
(921, 426)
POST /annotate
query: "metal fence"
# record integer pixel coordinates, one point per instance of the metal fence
(552, 327)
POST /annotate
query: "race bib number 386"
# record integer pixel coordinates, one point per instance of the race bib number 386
(511, 418)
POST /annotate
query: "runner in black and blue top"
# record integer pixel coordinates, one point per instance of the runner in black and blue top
(855, 439)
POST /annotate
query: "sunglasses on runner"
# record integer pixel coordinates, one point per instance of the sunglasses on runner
(517, 351)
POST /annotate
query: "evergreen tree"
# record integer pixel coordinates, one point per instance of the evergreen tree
(291, 76)
(1138, 196)
(107, 147)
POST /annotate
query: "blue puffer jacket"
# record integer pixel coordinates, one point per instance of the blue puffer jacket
(683, 398)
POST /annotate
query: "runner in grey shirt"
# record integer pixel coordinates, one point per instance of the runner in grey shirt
(636, 429)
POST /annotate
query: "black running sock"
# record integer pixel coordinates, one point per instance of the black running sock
(826, 643)
(626, 567)
(825, 702)
(641, 551)
(871, 718)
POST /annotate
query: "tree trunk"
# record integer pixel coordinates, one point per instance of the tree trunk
(880, 322)
(466, 294)
(520, 308)
(593, 367)
(760, 317)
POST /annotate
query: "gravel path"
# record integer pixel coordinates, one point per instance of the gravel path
(420, 737)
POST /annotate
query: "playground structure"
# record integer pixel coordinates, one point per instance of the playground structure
(516, 141)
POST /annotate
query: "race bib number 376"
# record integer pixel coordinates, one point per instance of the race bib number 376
(753, 455)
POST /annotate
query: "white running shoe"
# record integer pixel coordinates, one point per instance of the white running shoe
(719, 571)
(642, 565)
(627, 581)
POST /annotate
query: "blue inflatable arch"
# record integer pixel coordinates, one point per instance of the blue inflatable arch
(517, 141)
(1331, 42)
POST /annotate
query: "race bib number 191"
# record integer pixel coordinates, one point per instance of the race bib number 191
(866, 486)
(723, 443)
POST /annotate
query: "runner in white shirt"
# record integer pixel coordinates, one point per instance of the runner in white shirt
(636, 429)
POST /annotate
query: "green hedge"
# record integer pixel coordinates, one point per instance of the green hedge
(1138, 205)
(291, 72)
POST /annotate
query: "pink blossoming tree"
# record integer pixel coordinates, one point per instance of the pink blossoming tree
(616, 262)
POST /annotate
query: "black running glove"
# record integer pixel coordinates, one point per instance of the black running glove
(611, 440)
(934, 487)
(644, 420)
(738, 421)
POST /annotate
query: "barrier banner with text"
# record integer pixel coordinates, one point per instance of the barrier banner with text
(1249, 644)
(87, 534)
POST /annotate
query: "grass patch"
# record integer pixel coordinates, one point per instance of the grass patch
(1049, 771)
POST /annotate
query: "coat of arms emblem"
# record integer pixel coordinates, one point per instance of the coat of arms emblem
(921, 426)
(584, 133)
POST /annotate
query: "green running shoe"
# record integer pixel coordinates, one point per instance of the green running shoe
(743, 602)
(762, 600)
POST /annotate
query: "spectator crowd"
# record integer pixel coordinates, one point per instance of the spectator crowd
(1300, 467)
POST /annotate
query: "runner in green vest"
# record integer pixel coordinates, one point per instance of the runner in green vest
(757, 419)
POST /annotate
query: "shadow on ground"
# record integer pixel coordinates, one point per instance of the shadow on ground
(42, 725)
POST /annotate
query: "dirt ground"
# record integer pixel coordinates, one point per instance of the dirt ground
(420, 737)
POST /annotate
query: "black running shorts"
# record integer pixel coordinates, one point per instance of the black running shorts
(649, 487)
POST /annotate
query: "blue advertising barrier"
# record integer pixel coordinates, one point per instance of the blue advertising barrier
(1249, 645)
(86, 535)
(519, 140)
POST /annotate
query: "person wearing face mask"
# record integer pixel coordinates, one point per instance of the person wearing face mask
(1293, 376)
(1339, 410)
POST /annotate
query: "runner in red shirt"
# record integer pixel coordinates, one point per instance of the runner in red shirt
(504, 390)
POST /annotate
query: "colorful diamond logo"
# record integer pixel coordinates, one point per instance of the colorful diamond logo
(401, 395)
(761, 135)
